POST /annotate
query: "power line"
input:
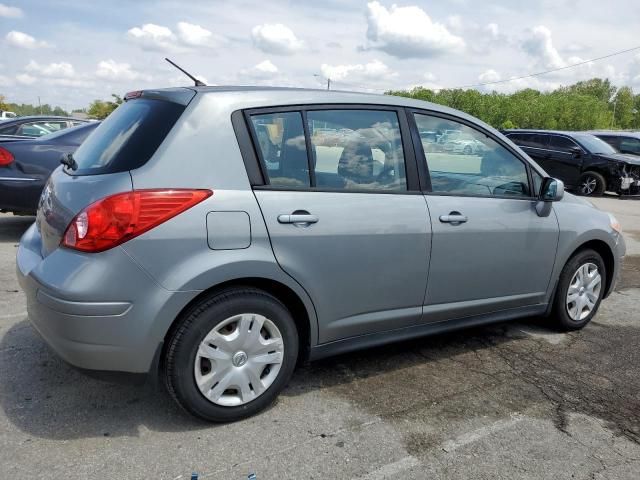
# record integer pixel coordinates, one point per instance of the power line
(537, 74)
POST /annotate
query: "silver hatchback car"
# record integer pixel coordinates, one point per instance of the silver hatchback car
(212, 236)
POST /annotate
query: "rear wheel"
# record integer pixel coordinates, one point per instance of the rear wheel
(592, 183)
(580, 290)
(231, 355)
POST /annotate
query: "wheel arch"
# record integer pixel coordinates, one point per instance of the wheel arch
(305, 320)
(604, 250)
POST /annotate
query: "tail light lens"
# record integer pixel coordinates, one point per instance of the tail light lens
(6, 157)
(118, 218)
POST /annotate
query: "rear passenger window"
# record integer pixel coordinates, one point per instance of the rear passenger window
(281, 141)
(562, 144)
(357, 150)
(630, 145)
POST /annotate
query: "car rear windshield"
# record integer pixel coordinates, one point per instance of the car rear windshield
(128, 137)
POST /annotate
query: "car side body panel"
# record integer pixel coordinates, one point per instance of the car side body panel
(160, 272)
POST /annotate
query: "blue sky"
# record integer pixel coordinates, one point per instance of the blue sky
(70, 52)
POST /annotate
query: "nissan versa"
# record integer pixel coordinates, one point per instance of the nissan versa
(216, 236)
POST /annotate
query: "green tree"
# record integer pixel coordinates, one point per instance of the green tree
(624, 106)
(100, 109)
(583, 106)
(596, 87)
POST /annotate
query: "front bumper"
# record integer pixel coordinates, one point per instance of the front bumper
(619, 253)
(98, 311)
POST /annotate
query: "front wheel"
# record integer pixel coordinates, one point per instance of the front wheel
(592, 184)
(580, 290)
(231, 355)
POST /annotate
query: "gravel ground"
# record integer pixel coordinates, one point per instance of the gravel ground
(514, 400)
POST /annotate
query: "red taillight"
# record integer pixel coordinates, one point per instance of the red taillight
(6, 157)
(118, 218)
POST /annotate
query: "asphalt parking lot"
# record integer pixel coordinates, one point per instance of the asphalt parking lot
(513, 400)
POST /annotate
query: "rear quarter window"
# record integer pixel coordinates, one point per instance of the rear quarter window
(128, 137)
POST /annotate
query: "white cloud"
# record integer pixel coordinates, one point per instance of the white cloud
(112, 70)
(153, 37)
(160, 38)
(406, 32)
(539, 45)
(492, 30)
(264, 70)
(489, 76)
(197, 36)
(25, 79)
(276, 39)
(430, 77)
(10, 12)
(22, 40)
(266, 67)
(62, 69)
(5, 81)
(371, 72)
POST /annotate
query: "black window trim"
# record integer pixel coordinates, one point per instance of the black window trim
(256, 167)
(435, 113)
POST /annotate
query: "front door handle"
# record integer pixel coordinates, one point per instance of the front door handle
(453, 217)
(298, 219)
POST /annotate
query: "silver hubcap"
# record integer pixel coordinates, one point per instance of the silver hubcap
(239, 359)
(589, 185)
(584, 291)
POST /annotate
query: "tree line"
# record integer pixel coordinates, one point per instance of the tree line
(586, 105)
(98, 109)
(24, 109)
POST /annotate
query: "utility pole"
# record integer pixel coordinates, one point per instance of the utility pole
(328, 80)
(39, 105)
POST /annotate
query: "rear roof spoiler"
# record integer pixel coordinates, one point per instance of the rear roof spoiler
(181, 95)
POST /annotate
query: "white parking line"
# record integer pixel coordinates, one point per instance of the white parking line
(394, 468)
(480, 433)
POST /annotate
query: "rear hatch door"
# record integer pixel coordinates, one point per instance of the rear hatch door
(124, 141)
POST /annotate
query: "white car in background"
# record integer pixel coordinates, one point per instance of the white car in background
(459, 142)
(6, 115)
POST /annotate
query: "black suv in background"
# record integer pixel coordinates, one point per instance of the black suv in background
(582, 161)
(623, 142)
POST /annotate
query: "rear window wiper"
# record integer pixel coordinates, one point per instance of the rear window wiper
(68, 161)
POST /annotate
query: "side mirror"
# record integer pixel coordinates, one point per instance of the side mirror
(576, 151)
(552, 190)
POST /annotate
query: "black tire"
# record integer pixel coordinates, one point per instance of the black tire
(198, 322)
(587, 179)
(560, 317)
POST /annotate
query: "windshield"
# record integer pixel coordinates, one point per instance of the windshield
(594, 144)
(128, 137)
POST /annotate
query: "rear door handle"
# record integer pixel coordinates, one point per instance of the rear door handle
(453, 217)
(298, 218)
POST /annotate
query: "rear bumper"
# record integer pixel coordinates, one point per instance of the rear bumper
(102, 313)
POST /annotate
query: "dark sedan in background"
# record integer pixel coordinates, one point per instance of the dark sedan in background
(25, 166)
(36, 126)
(582, 161)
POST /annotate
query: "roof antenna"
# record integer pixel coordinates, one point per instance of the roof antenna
(198, 83)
